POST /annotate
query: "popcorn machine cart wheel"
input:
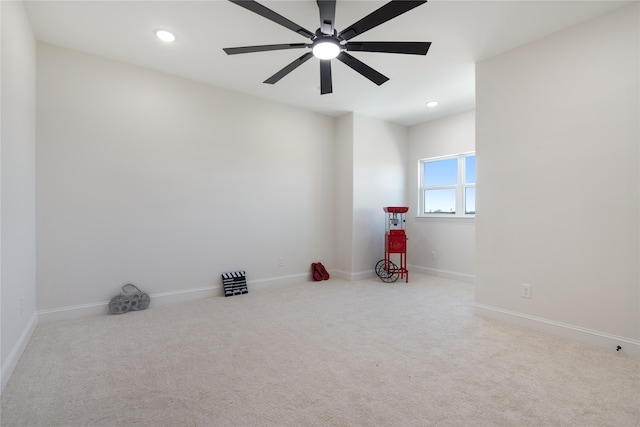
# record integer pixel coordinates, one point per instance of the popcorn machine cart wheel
(395, 242)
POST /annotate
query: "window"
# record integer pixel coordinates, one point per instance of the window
(448, 186)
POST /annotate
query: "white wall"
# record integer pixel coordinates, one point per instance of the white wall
(440, 246)
(17, 152)
(380, 157)
(558, 182)
(343, 216)
(369, 170)
(154, 180)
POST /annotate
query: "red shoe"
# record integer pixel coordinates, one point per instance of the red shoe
(323, 271)
(315, 272)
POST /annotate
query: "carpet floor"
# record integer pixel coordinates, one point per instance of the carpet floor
(331, 353)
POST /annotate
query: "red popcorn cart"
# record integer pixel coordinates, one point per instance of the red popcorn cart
(395, 244)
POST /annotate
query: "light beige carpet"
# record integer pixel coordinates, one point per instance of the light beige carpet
(331, 353)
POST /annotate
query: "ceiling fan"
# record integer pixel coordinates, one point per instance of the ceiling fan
(327, 43)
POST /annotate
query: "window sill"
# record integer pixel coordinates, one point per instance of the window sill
(443, 218)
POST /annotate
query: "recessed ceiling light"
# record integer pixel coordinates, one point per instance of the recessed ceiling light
(432, 103)
(165, 36)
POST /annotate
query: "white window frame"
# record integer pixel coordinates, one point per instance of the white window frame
(460, 187)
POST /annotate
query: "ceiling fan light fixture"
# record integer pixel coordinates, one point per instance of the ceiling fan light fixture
(326, 49)
(165, 36)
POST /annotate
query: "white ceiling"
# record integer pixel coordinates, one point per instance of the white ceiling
(462, 33)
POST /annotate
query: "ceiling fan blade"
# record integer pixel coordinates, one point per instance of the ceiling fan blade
(327, 16)
(362, 68)
(326, 85)
(263, 48)
(289, 68)
(265, 12)
(383, 14)
(412, 48)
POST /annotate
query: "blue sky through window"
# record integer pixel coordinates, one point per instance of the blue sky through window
(441, 172)
(440, 201)
(470, 200)
(470, 170)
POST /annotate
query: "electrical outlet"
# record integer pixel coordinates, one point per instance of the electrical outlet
(433, 254)
(525, 291)
(281, 262)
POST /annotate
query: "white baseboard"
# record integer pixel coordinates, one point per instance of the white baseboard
(16, 352)
(454, 275)
(352, 277)
(362, 275)
(162, 298)
(587, 336)
(280, 280)
(73, 312)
